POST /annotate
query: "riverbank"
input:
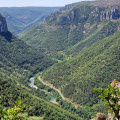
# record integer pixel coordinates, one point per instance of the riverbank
(31, 84)
(60, 93)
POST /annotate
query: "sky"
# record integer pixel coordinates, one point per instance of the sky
(51, 3)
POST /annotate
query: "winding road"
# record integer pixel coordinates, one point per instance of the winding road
(60, 93)
(51, 86)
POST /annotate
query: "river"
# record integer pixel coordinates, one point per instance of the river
(60, 93)
(52, 98)
(31, 84)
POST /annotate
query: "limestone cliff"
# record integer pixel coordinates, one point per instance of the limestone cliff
(3, 24)
(112, 13)
(94, 12)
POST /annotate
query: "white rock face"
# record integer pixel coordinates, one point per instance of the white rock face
(3, 24)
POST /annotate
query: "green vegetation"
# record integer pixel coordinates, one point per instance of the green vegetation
(21, 19)
(35, 106)
(93, 67)
(107, 30)
(45, 38)
(86, 111)
(18, 60)
(70, 30)
(58, 33)
(51, 92)
(79, 34)
(87, 50)
(111, 96)
(12, 113)
(18, 63)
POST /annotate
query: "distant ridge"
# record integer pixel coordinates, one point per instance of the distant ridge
(21, 19)
(105, 3)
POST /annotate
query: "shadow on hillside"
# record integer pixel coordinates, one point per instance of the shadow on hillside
(7, 35)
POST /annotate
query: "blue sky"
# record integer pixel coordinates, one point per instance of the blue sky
(19, 3)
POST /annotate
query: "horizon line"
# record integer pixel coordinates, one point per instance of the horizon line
(30, 6)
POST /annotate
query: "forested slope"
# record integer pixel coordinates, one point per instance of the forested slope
(35, 106)
(108, 29)
(14, 57)
(19, 53)
(87, 32)
(19, 59)
(74, 28)
(96, 66)
(18, 62)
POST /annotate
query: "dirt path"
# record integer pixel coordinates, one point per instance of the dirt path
(53, 87)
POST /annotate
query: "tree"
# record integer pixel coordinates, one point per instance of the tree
(111, 95)
(12, 113)
(2, 113)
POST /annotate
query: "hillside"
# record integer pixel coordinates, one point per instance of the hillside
(20, 19)
(85, 39)
(79, 25)
(79, 31)
(16, 66)
(35, 106)
(93, 67)
(18, 62)
(16, 57)
(108, 29)
(19, 53)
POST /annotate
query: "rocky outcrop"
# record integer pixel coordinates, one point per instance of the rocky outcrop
(99, 116)
(90, 14)
(110, 9)
(3, 24)
(112, 13)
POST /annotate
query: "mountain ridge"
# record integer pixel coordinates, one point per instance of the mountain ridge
(71, 25)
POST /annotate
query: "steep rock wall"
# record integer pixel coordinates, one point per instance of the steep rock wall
(3, 24)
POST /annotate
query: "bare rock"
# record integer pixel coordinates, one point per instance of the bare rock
(3, 24)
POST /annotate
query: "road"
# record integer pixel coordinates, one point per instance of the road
(60, 93)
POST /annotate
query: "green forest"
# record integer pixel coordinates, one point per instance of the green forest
(95, 67)
(61, 62)
(34, 106)
(18, 63)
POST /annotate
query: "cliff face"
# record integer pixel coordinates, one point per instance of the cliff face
(111, 9)
(74, 23)
(85, 14)
(98, 10)
(3, 24)
(111, 13)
